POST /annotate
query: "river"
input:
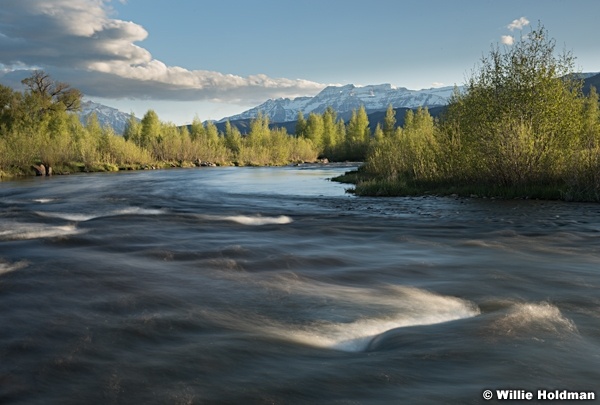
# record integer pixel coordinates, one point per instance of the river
(274, 286)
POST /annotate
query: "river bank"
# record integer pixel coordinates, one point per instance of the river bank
(368, 184)
(75, 167)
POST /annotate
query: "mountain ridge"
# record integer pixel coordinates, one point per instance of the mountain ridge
(344, 99)
(107, 116)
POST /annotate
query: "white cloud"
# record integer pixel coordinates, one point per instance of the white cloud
(518, 24)
(77, 41)
(507, 39)
(437, 84)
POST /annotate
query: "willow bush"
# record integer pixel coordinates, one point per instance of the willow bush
(521, 124)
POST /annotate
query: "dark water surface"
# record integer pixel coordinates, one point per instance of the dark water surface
(273, 286)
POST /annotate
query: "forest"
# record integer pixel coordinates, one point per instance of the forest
(521, 128)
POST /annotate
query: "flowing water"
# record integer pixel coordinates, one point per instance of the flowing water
(274, 286)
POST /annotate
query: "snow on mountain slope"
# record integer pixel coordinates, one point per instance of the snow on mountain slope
(106, 115)
(344, 99)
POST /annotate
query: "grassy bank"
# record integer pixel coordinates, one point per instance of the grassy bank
(367, 184)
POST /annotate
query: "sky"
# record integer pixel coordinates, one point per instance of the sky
(214, 58)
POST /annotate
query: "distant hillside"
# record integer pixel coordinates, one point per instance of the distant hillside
(375, 118)
(591, 81)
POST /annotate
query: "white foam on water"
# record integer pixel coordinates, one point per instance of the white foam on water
(356, 336)
(10, 267)
(400, 307)
(137, 211)
(20, 231)
(250, 220)
(77, 217)
(529, 319)
(68, 216)
(43, 200)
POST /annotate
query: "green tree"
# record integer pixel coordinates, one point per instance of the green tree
(133, 130)
(378, 134)
(233, 138)
(150, 130)
(10, 107)
(300, 130)
(52, 94)
(212, 134)
(197, 130)
(315, 130)
(259, 130)
(518, 119)
(330, 133)
(409, 157)
(358, 134)
(389, 122)
(590, 128)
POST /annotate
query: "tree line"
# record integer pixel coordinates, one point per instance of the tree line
(38, 127)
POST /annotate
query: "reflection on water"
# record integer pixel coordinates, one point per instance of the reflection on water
(272, 285)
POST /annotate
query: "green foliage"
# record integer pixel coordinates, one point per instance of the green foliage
(389, 123)
(358, 135)
(411, 154)
(331, 135)
(233, 138)
(315, 130)
(133, 130)
(300, 125)
(36, 127)
(522, 125)
(524, 97)
(10, 103)
(51, 95)
(265, 146)
(150, 132)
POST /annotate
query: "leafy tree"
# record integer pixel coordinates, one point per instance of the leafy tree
(300, 125)
(411, 156)
(212, 133)
(519, 113)
(358, 134)
(133, 130)
(10, 107)
(233, 138)
(259, 130)
(331, 137)
(151, 129)
(389, 122)
(315, 130)
(378, 134)
(197, 129)
(590, 135)
(52, 94)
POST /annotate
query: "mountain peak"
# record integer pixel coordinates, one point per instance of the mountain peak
(107, 116)
(344, 99)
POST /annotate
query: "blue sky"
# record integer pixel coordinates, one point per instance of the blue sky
(214, 58)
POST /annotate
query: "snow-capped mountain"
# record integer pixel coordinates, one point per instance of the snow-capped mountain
(106, 115)
(345, 99)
